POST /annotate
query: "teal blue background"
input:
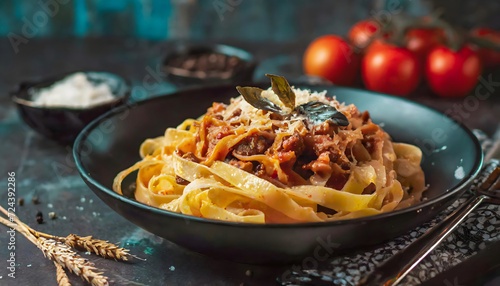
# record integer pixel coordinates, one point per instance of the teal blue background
(256, 20)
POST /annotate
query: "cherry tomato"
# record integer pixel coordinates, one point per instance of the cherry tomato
(376, 43)
(452, 73)
(422, 41)
(332, 58)
(390, 69)
(489, 57)
(362, 33)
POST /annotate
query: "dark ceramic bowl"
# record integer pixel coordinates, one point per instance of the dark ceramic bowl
(63, 124)
(452, 158)
(182, 77)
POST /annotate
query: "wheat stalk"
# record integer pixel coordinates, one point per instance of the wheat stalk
(69, 259)
(59, 250)
(62, 278)
(100, 247)
(63, 255)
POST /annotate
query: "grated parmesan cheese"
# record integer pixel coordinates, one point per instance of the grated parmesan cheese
(74, 91)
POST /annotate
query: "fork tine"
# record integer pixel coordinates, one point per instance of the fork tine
(495, 185)
(492, 180)
(494, 192)
(491, 187)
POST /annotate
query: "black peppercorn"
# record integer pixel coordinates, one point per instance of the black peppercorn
(39, 217)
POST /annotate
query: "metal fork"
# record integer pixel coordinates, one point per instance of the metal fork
(395, 269)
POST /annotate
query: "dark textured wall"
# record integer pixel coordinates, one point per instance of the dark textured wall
(256, 20)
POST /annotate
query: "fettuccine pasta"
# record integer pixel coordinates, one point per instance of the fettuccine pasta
(243, 164)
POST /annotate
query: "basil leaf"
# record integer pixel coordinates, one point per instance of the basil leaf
(319, 112)
(253, 96)
(283, 90)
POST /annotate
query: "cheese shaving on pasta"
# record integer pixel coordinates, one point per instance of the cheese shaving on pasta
(242, 164)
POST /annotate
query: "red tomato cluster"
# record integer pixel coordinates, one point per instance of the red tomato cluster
(398, 69)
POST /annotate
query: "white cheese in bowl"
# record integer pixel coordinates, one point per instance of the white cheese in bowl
(74, 91)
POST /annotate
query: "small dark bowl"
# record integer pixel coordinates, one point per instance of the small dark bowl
(63, 124)
(182, 77)
(451, 161)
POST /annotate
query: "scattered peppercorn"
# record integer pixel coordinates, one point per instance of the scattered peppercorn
(52, 215)
(35, 200)
(20, 201)
(39, 217)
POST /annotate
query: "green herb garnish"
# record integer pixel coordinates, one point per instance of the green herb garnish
(253, 95)
(283, 90)
(316, 112)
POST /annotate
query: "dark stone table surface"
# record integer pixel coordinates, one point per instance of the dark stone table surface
(79, 211)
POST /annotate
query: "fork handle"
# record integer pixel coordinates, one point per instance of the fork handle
(395, 269)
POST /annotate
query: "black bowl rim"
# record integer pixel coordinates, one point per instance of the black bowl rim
(452, 191)
(250, 60)
(29, 84)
